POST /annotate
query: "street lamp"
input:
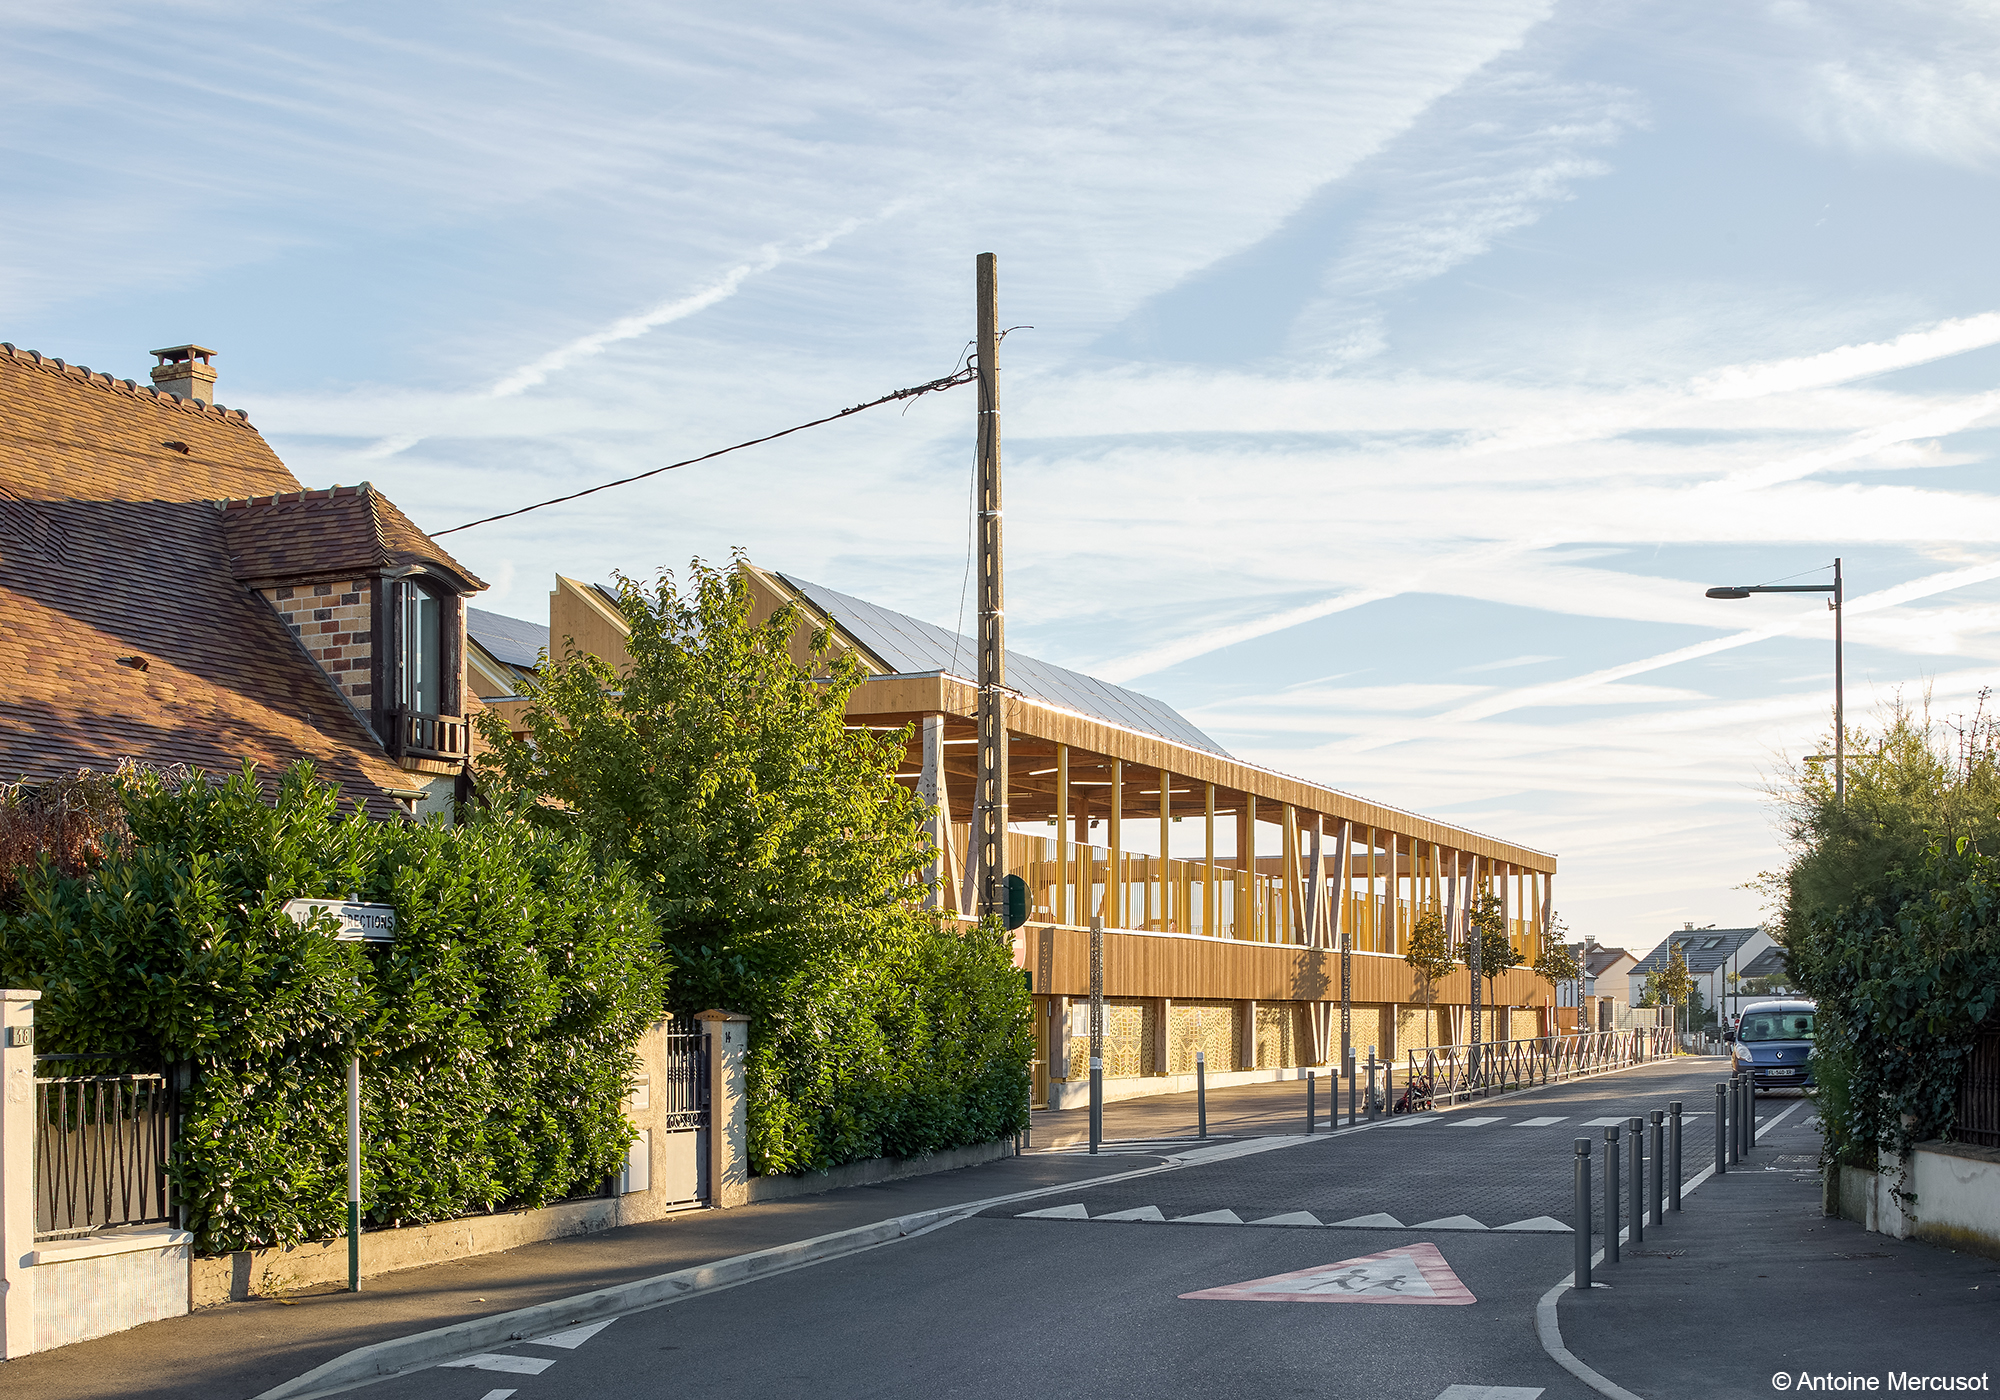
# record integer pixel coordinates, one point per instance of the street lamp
(1839, 701)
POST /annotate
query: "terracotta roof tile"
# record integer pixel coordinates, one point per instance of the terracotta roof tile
(320, 534)
(112, 546)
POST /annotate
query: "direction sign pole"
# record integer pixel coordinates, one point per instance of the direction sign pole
(354, 1173)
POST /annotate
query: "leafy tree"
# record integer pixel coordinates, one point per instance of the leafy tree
(1556, 961)
(1672, 984)
(1497, 952)
(1428, 952)
(781, 858)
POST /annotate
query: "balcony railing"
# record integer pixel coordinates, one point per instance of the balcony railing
(415, 735)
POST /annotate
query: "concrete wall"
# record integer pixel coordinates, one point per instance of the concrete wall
(94, 1287)
(1944, 1193)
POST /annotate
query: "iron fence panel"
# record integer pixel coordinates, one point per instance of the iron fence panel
(102, 1146)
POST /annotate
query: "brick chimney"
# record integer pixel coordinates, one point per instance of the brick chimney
(184, 370)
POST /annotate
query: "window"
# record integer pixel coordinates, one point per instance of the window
(1712, 943)
(1777, 1025)
(422, 659)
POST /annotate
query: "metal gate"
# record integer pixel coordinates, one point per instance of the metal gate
(1979, 1093)
(102, 1143)
(683, 1114)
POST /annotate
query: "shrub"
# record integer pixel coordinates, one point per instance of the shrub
(494, 1033)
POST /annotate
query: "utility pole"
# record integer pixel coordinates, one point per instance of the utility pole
(989, 815)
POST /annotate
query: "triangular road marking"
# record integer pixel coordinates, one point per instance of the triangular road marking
(1540, 1222)
(1213, 1217)
(1297, 1217)
(1136, 1213)
(1075, 1212)
(1413, 1273)
(500, 1361)
(1388, 1221)
(572, 1338)
(1449, 1222)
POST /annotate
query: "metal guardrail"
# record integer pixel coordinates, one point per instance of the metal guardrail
(1448, 1073)
(102, 1144)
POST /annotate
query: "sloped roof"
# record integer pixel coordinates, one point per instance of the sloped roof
(1705, 949)
(1599, 960)
(909, 645)
(344, 530)
(1769, 963)
(507, 640)
(123, 630)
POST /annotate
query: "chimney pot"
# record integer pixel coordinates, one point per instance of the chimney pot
(185, 370)
(1688, 925)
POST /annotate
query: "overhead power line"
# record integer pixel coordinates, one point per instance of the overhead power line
(949, 381)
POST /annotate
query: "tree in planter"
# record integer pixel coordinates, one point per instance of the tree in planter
(1555, 961)
(1497, 953)
(1429, 954)
(1672, 984)
(782, 859)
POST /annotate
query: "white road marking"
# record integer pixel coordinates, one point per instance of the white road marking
(496, 1395)
(1473, 1122)
(495, 1361)
(1538, 1122)
(1212, 1217)
(1606, 1123)
(1297, 1217)
(1413, 1273)
(1490, 1392)
(1377, 1219)
(1136, 1213)
(571, 1338)
(1540, 1222)
(1449, 1222)
(1070, 1212)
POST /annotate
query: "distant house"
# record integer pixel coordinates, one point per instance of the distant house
(1712, 955)
(169, 592)
(500, 652)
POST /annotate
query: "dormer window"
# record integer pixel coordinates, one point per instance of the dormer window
(421, 664)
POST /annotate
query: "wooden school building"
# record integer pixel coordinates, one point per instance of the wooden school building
(1225, 889)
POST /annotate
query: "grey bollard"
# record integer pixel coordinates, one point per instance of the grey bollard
(1749, 1112)
(1722, 1130)
(1611, 1195)
(1311, 1115)
(1348, 1070)
(1674, 1176)
(1735, 1119)
(1096, 1103)
(1635, 1190)
(1582, 1216)
(1369, 1092)
(1656, 1169)
(1200, 1096)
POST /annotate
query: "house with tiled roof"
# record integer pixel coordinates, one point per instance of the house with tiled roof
(171, 593)
(1715, 956)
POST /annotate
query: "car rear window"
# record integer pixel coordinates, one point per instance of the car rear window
(1778, 1025)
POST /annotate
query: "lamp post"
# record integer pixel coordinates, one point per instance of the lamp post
(1839, 697)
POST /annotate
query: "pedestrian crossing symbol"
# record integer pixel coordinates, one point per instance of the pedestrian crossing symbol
(1415, 1273)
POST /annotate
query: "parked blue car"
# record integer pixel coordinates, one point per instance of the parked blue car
(1774, 1041)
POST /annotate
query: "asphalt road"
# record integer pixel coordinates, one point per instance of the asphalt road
(1078, 1305)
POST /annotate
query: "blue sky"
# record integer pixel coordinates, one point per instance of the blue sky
(1400, 373)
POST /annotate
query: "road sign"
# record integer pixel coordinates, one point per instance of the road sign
(1414, 1273)
(359, 923)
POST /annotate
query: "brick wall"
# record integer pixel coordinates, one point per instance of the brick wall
(332, 622)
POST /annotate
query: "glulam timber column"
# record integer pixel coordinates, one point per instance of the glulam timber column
(1114, 878)
(1064, 901)
(1211, 924)
(1246, 858)
(1168, 918)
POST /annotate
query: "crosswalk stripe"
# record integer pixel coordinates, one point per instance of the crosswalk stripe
(1538, 1122)
(1473, 1122)
(1604, 1123)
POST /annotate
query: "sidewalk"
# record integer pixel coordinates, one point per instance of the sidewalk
(1750, 1280)
(239, 1350)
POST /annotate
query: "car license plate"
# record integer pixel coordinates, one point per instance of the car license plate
(1784, 1071)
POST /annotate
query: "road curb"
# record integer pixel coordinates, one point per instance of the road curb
(400, 1355)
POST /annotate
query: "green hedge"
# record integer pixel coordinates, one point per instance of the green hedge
(919, 1048)
(1905, 974)
(494, 1034)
